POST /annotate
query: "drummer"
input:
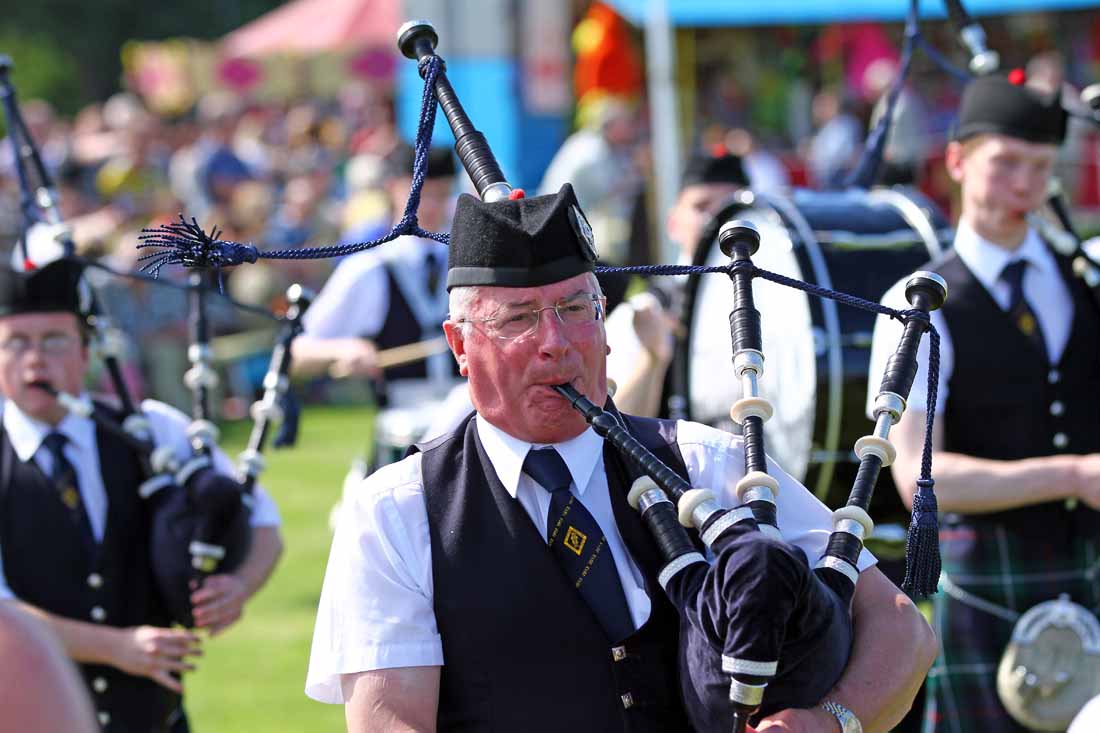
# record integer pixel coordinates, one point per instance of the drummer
(387, 297)
(641, 330)
(1017, 440)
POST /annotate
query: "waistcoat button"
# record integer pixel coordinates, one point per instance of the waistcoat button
(1061, 440)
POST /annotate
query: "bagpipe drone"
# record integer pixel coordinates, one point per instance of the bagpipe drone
(198, 517)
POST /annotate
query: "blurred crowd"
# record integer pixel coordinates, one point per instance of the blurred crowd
(313, 172)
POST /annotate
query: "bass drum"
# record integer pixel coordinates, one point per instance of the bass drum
(816, 351)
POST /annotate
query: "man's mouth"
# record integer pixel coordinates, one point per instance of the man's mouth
(41, 384)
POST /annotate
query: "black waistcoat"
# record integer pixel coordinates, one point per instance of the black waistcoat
(46, 565)
(400, 328)
(522, 651)
(1007, 403)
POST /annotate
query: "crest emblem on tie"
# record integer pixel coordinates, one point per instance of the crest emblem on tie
(575, 539)
(70, 498)
(1026, 324)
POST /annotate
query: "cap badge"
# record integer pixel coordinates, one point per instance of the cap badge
(584, 233)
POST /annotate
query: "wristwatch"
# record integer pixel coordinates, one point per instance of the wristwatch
(849, 723)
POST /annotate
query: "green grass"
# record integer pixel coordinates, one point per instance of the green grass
(251, 678)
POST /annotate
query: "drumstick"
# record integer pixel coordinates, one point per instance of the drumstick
(399, 355)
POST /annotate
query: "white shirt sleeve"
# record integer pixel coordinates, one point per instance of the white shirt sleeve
(716, 460)
(376, 609)
(169, 428)
(352, 303)
(625, 347)
(885, 342)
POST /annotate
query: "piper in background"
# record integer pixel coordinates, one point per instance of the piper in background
(1017, 434)
(74, 533)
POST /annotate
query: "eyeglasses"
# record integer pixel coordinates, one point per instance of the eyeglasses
(53, 344)
(510, 324)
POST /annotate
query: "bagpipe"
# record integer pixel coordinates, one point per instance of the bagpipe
(198, 517)
(758, 617)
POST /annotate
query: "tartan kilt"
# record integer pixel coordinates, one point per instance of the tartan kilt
(1012, 566)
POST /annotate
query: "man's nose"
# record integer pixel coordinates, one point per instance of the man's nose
(550, 332)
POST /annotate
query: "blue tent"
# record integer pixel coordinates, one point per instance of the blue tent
(801, 12)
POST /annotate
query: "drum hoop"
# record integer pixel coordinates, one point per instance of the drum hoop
(786, 209)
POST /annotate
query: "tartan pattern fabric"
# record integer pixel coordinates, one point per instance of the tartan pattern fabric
(1012, 569)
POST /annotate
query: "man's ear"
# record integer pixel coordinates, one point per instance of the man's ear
(953, 160)
(453, 331)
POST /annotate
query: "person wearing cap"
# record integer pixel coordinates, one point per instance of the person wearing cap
(74, 531)
(388, 296)
(445, 606)
(642, 330)
(1017, 434)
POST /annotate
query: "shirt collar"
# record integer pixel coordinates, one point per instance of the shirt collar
(507, 454)
(987, 260)
(26, 433)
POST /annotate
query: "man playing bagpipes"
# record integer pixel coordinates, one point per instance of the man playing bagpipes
(497, 579)
(75, 537)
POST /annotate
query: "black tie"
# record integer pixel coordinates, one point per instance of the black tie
(1019, 310)
(579, 546)
(432, 271)
(64, 479)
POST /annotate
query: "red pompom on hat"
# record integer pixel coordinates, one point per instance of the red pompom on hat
(1017, 77)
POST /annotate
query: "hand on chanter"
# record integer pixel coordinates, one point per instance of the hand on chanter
(157, 653)
(219, 602)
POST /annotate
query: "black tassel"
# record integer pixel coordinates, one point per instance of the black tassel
(922, 546)
(185, 243)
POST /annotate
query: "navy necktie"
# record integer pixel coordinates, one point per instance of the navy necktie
(579, 546)
(64, 480)
(1019, 310)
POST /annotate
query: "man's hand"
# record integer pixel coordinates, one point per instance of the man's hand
(219, 603)
(149, 651)
(1087, 471)
(653, 327)
(357, 358)
(799, 720)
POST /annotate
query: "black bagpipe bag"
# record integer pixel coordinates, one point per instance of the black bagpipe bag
(208, 508)
(758, 601)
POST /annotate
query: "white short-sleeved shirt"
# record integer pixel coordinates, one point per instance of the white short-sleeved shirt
(356, 298)
(376, 608)
(1044, 289)
(169, 428)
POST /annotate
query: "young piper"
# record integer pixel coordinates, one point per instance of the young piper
(1018, 415)
(74, 532)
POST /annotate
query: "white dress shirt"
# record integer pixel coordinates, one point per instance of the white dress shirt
(169, 428)
(376, 607)
(1044, 289)
(356, 298)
